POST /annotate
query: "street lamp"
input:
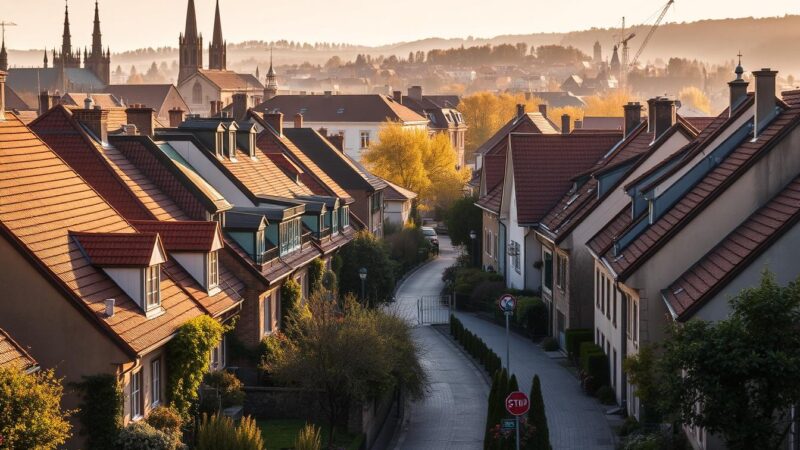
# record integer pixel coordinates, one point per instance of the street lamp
(473, 236)
(362, 273)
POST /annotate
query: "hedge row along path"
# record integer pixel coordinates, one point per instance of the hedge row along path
(576, 421)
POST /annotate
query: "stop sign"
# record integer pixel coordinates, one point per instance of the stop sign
(517, 403)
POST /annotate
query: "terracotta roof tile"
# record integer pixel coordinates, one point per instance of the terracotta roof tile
(395, 192)
(341, 108)
(492, 200)
(118, 249)
(183, 236)
(14, 355)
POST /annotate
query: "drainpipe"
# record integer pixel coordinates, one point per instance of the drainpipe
(505, 250)
(623, 350)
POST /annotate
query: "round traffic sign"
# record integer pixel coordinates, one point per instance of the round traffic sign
(507, 303)
(517, 403)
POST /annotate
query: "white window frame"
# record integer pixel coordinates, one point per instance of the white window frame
(266, 328)
(155, 382)
(217, 356)
(364, 138)
(212, 271)
(151, 289)
(137, 399)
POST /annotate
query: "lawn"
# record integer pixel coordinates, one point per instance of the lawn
(280, 434)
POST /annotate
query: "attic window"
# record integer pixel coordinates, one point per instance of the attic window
(152, 287)
(340, 111)
(212, 269)
(220, 144)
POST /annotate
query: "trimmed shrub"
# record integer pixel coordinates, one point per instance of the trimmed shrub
(573, 339)
(475, 346)
(606, 395)
(316, 270)
(227, 385)
(142, 436)
(532, 315)
(407, 247)
(167, 421)
(629, 426)
(291, 293)
(219, 432)
(329, 281)
(594, 367)
(538, 419)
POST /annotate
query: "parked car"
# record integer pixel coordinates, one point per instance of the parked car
(432, 237)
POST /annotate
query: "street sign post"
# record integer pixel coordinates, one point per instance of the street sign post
(517, 404)
(508, 424)
(507, 303)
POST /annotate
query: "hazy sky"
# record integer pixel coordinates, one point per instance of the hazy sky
(129, 24)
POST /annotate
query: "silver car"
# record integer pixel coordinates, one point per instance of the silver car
(431, 236)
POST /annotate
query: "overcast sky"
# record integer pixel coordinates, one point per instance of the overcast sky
(130, 24)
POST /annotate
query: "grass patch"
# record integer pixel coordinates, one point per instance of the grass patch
(280, 434)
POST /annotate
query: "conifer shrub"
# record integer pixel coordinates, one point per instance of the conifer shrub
(540, 440)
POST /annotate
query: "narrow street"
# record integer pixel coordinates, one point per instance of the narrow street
(453, 414)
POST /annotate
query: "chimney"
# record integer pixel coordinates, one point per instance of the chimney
(175, 117)
(214, 110)
(143, 118)
(565, 123)
(337, 140)
(275, 120)
(2, 96)
(543, 110)
(665, 116)
(323, 131)
(239, 105)
(45, 102)
(96, 119)
(633, 117)
(328, 93)
(651, 114)
(298, 120)
(397, 96)
(765, 98)
(110, 307)
(520, 110)
(415, 92)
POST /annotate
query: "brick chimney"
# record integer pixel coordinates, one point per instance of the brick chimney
(397, 96)
(298, 120)
(415, 92)
(239, 105)
(337, 140)
(45, 102)
(566, 121)
(520, 110)
(142, 117)
(213, 111)
(96, 119)
(665, 115)
(2, 96)
(275, 120)
(765, 98)
(633, 117)
(543, 110)
(175, 117)
(651, 114)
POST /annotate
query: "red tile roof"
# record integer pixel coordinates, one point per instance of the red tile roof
(529, 122)
(118, 249)
(397, 193)
(43, 200)
(731, 256)
(702, 194)
(545, 164)
(183, 236)
(492, 200)
(13, 354)
(341, 108)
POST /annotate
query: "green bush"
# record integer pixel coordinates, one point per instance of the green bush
(532, 315)
(270, 346)
(407, 248)
(291, 294)
(484, 296)
(629, 426)
(100, 410)
(316, 270)
(467, 280)
(475, 346)
(310, 438)
(142, 436)
(366, 251)
(219, 432)
(227, 385)
(549, 344)
(167, 421)
(594, 367)
(606, 395)
(329, 281)
(573, 339)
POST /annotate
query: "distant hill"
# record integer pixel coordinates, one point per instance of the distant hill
(764, 42)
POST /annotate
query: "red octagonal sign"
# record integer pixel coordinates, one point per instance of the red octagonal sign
(517, 403)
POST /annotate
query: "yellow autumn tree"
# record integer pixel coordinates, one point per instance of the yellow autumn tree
(695, 98)
(418, 162)
(486, 112)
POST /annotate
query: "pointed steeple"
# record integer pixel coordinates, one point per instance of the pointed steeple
(45, 58)
(190, 54)
(66, 38)
(97, 37)
(191, 22)
(271, 89)
(217, 53)
(3, 54)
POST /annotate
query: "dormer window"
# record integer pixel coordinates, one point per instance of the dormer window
(152, 287)
(220, 143)
(290, 236)
(231, 144)
(212, 269)
(253, 144)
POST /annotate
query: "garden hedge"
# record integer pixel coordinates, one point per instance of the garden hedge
(573, 339)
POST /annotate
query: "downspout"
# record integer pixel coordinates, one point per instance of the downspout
(623, 350)
(504, 249)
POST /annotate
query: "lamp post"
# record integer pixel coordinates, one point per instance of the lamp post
(362, 273)
(473, 236)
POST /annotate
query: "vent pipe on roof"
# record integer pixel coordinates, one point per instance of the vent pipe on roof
(651, 114)
(95, 119)
(45, 102)
(765, 98)
(566, 121)
(110, 307)
(397, 96)
(2, 96)
(633, 117)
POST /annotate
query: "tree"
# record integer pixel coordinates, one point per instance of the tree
(30, 411)
(418, 162)
(346, 355)
(695, 98)
(462, 218)
(538, 419)
(316, 270)
(737, 378)
(101, 409)
(366, 251)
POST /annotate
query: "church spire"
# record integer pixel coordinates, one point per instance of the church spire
(3, 54)
(271, 89)
(66, 38)
(97, 37)
(217, 58)
(190, 54)
(191, 22)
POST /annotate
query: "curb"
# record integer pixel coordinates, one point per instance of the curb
(411, 272)
(484, 375)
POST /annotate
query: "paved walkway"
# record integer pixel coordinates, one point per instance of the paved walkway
(576, 421)
(453, 414)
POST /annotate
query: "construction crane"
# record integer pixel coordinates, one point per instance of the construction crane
(651, 33)
(3, 26)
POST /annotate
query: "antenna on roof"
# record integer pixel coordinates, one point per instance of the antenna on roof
(3, 26)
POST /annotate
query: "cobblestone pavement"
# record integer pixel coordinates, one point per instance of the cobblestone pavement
(453, 413)
(576, 421)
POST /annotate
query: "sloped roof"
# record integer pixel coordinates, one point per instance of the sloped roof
(14, 355)
(35, 80)
(15, 102)
(397, 193)
(491, 201)
(183, 236)
(735, 253)
(340, 108)
(43, 201)
(230, 80)
(149, 95)
(545, 164)
(539, 122)
(118, 249)
(105, 101)
(603, 123)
